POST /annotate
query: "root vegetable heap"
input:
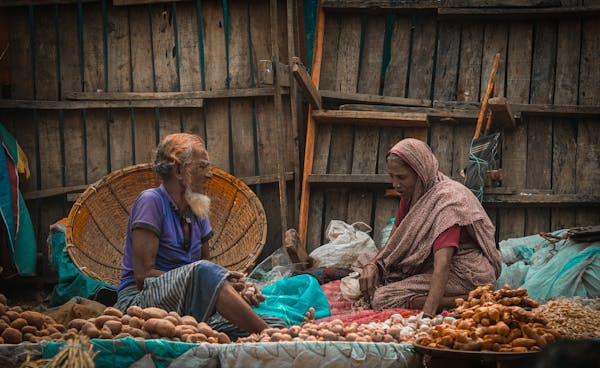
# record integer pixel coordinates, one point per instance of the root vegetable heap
(493, 321)
(396, 329)
(18, 326)
(146, 323)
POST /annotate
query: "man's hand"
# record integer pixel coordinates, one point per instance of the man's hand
(369, 280)
(252, 294)
(237, 280)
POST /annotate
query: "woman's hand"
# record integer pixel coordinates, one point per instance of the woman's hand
(369, 280)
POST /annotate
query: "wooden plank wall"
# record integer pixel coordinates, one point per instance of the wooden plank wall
(181, 46)
(419, 56)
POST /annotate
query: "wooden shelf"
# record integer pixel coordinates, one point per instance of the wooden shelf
(434, 4)
(430, 112)
(371, 118)
(519, 13)
(76, 190)
(354, 180)
(541, 200)
(98, 104)
(496, 197)
(218, 93)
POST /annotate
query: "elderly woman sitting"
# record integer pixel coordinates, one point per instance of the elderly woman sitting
(442, 245)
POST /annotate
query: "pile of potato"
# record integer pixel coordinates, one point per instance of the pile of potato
(147, 323)
(493, 321)
(18, 326)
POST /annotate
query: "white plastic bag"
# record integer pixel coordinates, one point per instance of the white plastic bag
(350, 287)
(346, 243)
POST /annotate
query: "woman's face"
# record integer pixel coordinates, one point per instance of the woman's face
(404, 178)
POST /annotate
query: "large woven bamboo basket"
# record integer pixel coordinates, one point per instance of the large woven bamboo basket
(97, 222)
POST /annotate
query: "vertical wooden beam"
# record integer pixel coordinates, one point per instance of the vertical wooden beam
(564, 142)
(539, 129)
(142, 75)
(514, 145)
(364, 154)
(278, 117)
(292, 31)
(240, 77)
(588, 135)
(310, 129)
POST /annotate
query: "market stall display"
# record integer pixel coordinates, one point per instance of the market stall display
(572, 318)
(493, 320)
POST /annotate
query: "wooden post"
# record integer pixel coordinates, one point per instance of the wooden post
(310, 128)
(278, 115)
(486, 97)
(301, 75)
(293, 106)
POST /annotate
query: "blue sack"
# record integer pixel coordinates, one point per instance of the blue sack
(290, 298)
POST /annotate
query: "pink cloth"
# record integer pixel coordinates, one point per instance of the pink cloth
(342, 309)
(437, 204)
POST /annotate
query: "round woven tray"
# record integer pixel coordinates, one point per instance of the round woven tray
(97, 222)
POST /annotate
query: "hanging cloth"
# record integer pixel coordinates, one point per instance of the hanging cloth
(15, 217)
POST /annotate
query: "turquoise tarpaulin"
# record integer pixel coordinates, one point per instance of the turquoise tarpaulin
(291, 297)
(71, 282)
(21, 237)
(325, 354)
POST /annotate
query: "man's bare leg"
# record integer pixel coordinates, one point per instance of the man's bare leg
(236, 310)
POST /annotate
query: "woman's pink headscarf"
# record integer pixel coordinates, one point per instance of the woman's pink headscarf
(437, 203)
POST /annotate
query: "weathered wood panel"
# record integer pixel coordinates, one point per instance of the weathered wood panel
(588, 134)
(49, 123)
(452, 62)
(142, 71)
(170, 47)
(514, 145)
(564, 142)
(364, 152)
(395, 84)
(119, 80)
(539, 130)
(240, 74)
(316, 223)
(216, 75)
(339, 160)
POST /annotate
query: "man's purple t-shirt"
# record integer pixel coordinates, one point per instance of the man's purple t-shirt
(155, 210)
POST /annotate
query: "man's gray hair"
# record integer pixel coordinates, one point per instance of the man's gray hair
(174, 148)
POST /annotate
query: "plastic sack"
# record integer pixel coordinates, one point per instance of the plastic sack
(385, 233)
(573, 271)
(274, 268)
(350, 287)
(290, 298)
(346, 243)
(552, 267)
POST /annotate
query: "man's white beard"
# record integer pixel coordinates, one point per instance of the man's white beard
(198, 202)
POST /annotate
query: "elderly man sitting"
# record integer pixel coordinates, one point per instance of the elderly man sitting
(164, 261)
